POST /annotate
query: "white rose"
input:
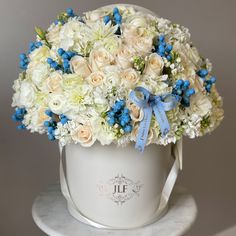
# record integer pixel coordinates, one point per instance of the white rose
(57, 104)
(26, 95)
(154, 65)
(130, 76)
(83, 135)
(124, 56)
(100, 58)
(54, 82)
(80, 66)
(38, 72)
(142, 45)
(96, 78)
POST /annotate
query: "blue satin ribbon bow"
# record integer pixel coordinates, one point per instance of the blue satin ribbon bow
(159, 105)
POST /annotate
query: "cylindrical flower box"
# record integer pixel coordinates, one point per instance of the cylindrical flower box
(116, 187)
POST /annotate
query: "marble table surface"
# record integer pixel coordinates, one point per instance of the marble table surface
(52, 217)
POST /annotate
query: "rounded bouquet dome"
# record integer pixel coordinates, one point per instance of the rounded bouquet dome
(118, 74)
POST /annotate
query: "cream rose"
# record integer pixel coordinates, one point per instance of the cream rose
(96, 78)
(80, 66)
(124, 56)
(54, 82)
(130, 76)
(135, 112)
(83, 135)
(154, 65)
(100, 58)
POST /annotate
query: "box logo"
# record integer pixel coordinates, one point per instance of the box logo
(120, 189)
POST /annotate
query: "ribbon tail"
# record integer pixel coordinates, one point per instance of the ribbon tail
(161, 118)
(144, 129)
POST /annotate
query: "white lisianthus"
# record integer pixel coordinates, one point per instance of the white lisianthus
(58, 104)
(99, 58)
(80, 66)
(154, 65)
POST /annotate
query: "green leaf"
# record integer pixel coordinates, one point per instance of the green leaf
(40, 33)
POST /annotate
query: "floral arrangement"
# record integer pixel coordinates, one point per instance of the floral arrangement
(115, 75)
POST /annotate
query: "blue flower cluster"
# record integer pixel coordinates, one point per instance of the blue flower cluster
(120, 115)
(181, 89)
(207, 82)
(24, 61)
(66, 57)
(52, 123)
(34, 45)
(117, 18)
(163, 49)
(18, 116)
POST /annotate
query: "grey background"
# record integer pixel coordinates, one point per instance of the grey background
(29, 163)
